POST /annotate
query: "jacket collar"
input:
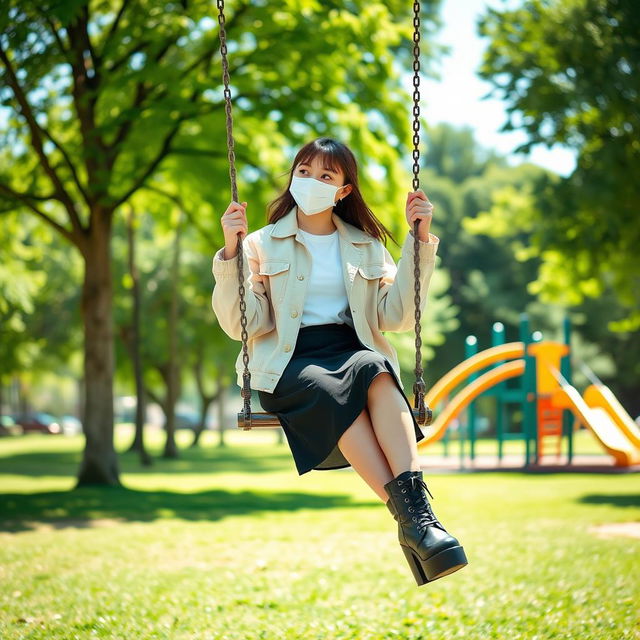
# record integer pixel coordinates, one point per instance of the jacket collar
(288, 226)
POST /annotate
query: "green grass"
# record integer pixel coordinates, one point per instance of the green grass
(231, 543)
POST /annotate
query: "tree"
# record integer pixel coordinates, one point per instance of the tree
(568, 72)
(102, 98)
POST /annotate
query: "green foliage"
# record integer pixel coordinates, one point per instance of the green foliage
(462, 179)
(567, 70)
(150, 88)
(39, 314)
(487, 219)
(108, 107)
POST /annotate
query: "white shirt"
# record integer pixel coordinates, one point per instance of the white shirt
(326, 300)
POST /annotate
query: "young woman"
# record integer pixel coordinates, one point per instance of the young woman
(320, 288)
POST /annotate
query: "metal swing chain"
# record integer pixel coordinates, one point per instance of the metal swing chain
(419, 388)
(246, 375)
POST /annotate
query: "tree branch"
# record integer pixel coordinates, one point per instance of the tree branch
(154, 397)
(54, 32)
(87, 45)
(178, 200)
(142, 92)
(86, 74)
(138, 47)
(214, 153)
(36, 139)
(151, 168)
(114, 27)
(25, 198)
(75, 219)
(35, 196)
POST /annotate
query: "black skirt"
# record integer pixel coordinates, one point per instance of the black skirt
(322, 390)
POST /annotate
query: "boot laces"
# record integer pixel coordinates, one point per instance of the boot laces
(421, 506)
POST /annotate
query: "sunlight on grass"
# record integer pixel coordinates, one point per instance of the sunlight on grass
(231, 543)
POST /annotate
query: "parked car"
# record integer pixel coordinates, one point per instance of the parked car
(8, 426)
(71, 426)
(38, 422)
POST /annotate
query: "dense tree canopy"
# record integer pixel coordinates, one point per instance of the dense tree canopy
(568, 70)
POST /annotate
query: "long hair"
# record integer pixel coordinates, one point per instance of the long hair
(352, 208)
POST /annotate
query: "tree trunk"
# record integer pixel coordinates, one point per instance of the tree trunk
(173, 365)
(14, 394)
(80, 395)
(134, 348)
(99, 463)
(205, 399)
(222, 406)
(205, 402)
(23, 397)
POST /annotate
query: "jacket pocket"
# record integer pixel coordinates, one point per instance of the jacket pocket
(371, 271)
(273, 267)
(277, 276)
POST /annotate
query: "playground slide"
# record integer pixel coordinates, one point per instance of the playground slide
(599, 410)
(462, 399)
(441, 389)
(604, 427)
(599, 395)
(462, 371)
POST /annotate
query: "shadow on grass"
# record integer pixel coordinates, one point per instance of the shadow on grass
(80, 507)
(614, 500)
(207, 460)
(84, 506)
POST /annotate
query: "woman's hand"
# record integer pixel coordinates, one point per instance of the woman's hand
(419, 208)
(234, 222)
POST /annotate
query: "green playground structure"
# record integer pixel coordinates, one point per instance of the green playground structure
(552, 409)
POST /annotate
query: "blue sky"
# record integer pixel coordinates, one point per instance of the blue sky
(456, 97)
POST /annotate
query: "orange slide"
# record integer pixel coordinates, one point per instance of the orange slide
(461, 372)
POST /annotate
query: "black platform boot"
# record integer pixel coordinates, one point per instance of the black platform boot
(391, 508)
(430, 550)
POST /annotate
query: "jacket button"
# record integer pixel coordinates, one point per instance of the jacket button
(300, 277)
(287, 347)
(294, 314)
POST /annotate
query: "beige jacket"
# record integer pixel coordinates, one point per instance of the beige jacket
(277, 266)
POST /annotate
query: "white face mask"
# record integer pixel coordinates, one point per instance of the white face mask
(311, 195)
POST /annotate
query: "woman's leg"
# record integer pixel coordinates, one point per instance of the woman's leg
(360, 447)
(393, 425)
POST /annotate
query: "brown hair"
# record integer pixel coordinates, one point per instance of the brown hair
(352, 208)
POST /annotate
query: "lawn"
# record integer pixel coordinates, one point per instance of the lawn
(231, 543)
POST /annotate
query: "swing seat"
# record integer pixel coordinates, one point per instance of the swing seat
(264, 419)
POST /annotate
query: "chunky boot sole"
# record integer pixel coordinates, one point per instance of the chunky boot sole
(438, 566)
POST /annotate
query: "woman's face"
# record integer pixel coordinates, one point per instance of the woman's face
(321, 173)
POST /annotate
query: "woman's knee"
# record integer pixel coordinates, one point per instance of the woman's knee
(380, 386)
